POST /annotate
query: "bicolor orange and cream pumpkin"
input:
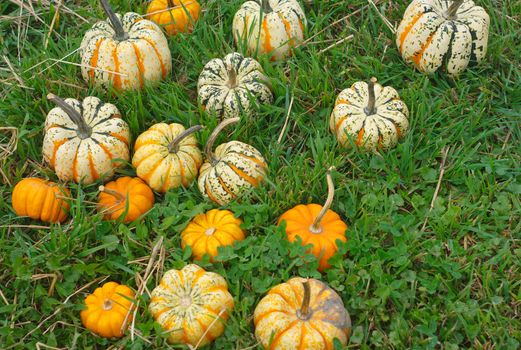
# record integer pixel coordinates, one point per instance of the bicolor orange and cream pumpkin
(174, 16)
(443, 34)
(85, 141)
(269, 27)
(124, 52)
(369, 116)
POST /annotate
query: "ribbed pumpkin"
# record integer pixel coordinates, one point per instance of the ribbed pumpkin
(127, 197)
(84, 140)
(234, 168)
(448, 35)
(316, 225)
(124, 52)
(269, 27)
(167, 156)
(301, 314)
(41, 200)
(192, 305)
(208, 231)
(232, 86)
(106, 310)
(175, 16)
(370, 116)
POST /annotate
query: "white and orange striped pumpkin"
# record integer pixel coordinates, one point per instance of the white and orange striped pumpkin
(442, 34)
(167, 156)
(124, 52)
(84, 140)
(269, 27)
(370, 116)
(233, 168)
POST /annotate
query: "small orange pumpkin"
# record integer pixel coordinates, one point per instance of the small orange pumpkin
(316, 225)
(126, 195)
(107, 309)
(208, 231)
(41, 200)
(175, 16)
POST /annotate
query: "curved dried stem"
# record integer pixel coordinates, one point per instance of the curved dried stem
(213, 136)
(453, 9)
(119, 197)
(370, 110)
(114, 21)
(304, 312)
(173, 146)
(315, 227)
(84, 130)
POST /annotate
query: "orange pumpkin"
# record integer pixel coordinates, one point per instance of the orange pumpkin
(127, 196)
(316, 225)
(175, 16)
(106, 310)
(301, 314)
(208, 231)
(41, 200)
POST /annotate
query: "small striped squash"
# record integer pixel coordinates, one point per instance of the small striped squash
(442, 34)
(124, 52)
(191, 305)
(369, 116)
(174, 16)
(233, 168)
(167, 156)
(84, 140)
(232, 86)
(269, 27)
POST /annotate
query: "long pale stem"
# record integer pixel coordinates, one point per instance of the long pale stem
(266, 6)
(84, 131)
(370, 110)
(213, 136)
(173, 146)
(232, 78)
(170, 4)
(114, 20)
(315, 227)
(119, 197)
(451, 12)
(304, 309)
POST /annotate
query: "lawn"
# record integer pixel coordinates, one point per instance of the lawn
(433, 257)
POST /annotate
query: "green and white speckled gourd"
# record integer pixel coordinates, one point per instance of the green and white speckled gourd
(125, 52)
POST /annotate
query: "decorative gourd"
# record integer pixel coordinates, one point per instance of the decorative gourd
(127, 196)
(124, 52)
(167, 156)
(449, 35)
(107, 308)
(175, 16)
(301, 314)
(232, 86)
(370, 116)
(41, 200)
(316, 225)
(269, 27)
(192, 305)
(208, 231)
(84, 140)
(233, 168)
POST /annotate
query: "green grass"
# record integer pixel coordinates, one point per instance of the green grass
(454, 284)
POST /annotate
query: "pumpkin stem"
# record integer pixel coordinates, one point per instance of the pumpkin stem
(107, 305)
(119, 197)
(451, 12)
(213, 136)
(266, 6)
(304, 313)
(170, 4)
(370, 110)
(173, 147)
(115, 22)
(315, 227)
(232, 78)
(84, 131)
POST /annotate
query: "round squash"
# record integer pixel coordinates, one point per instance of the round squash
(316, 225)
(234, 168)
(127, 197)
(167, 156)
(84, 140)
(41, 200)
(192, 305)
(124, 52)
(208, 231)
(447, 35)
(301, 314)
(106, 310)
(369, 116)
(232, 86)
(175, 16)
(269, 27)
